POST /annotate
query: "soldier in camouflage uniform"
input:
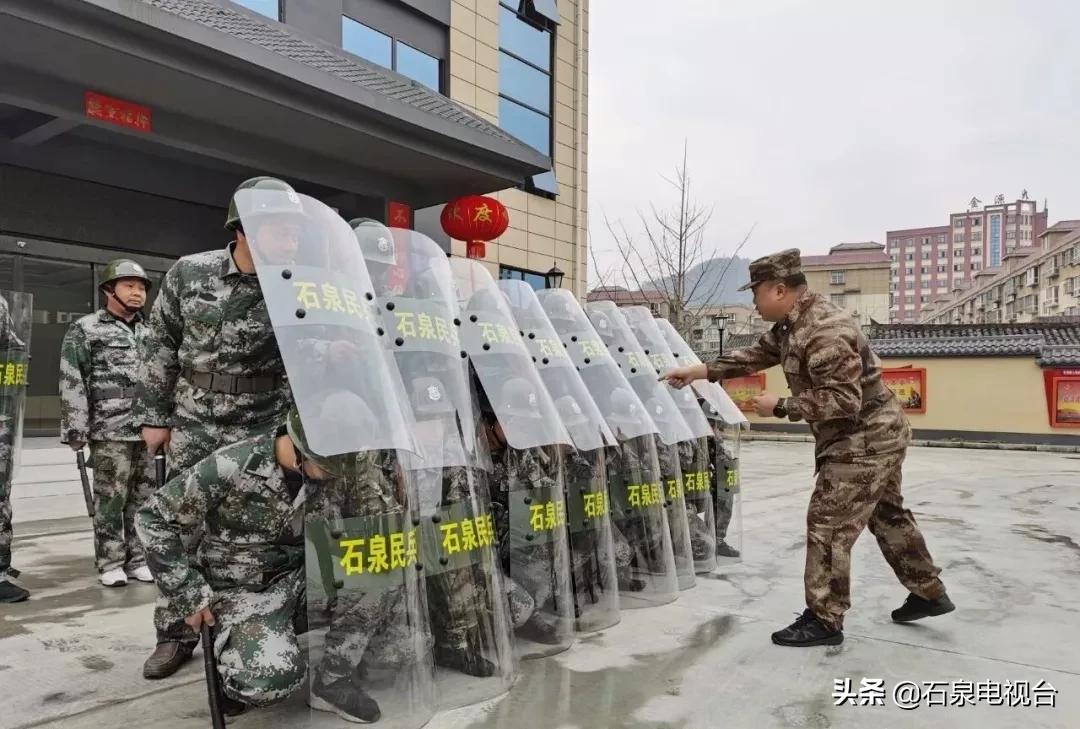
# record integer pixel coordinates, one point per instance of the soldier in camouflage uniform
(98, 371)
(250, 498)
(723, 493)
(211, 370)
(9, 591)
(861, 437)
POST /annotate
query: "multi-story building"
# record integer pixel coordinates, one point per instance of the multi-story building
(855, 276)
(125, 126)
(930, 262)
(714, 324)
(657, 301)
(1031, 284)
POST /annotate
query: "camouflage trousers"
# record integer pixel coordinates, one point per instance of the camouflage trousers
(7, 468)
(725, 506)
(458, 600)
(848, 498)
(258, 655)
(122, 484)
(190, 443)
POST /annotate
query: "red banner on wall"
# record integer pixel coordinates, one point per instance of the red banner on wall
(398, 215)
(119, 112)
(1053, 394)
(744, 389)
(909, 386)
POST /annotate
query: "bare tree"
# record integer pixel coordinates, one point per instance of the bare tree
(670, 261)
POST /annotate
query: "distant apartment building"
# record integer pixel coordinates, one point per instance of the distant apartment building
(855, 276)
(936, 261)
(1040, 283)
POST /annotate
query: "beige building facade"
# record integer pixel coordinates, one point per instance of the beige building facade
(545, 230)
(855, 277)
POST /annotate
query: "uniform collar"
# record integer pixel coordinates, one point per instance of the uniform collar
(801, 305)
(263, 463)
(105, 315)
(228, 266)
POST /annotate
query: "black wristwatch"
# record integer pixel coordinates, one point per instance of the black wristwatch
(780, 411)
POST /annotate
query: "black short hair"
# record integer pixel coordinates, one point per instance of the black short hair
(794, 282)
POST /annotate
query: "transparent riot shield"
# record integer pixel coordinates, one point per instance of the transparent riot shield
(630, 356)
(720, 403)
(16, 311)
(727, 423)
(369, 642)
(322, 306)
(693, 455)
(420, 316)
(645, 564)
(592, 552)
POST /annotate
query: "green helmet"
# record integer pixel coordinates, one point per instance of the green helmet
(520, 399)
(375, 239)
(345, 465)
(266, 196)
(119, 268)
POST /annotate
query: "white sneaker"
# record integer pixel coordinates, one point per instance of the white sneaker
(142, 574)
(114, 578)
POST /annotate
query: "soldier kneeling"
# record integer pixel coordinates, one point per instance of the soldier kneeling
(250, 581)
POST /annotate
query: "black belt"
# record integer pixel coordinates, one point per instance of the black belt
(232, 384)
(111, 393)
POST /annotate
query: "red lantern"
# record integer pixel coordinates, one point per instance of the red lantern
(475, 219)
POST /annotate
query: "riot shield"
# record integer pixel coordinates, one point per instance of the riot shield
(16, 310)
(527, 491)
(720, 403)
(369, 642)
(502, 362)
(322, 306)
(693, 455)
(672, 488)
(636, 366)
(592, 551)
(723, 444)
(645, 565)
(415, 293)
(727, 492)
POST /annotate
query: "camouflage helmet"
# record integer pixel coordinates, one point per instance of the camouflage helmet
(375, 239)
(570, 411)
(624, 407)
(119, 268)
(658, 411)
(342, 465)
(268, 196)
(519, 399)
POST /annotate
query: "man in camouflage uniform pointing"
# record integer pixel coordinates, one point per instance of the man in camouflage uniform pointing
(861, 437)
(98, 370)
(211, 371)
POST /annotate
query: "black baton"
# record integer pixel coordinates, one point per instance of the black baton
(88, 494)
(213, 684)
(159, 468)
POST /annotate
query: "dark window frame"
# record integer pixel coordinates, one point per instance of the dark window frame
(395, 39)
(522, 272)
(527, 14)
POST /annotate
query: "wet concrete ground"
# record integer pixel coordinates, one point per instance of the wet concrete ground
(1004, 526)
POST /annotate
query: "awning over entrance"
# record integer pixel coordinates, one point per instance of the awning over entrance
(230, 88)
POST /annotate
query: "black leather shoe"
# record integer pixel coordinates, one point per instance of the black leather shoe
(345, 698)
(10, 592)
(807, 631)
(167, 659)
(917, 608)
(468, 662)
(232, 707)
(723, 549)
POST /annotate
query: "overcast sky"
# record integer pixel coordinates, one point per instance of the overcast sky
(832, 121)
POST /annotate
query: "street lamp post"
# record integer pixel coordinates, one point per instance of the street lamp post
(554, 277)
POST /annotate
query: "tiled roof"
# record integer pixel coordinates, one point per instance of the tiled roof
(280, 39)
(848, 258)
(1053, 344)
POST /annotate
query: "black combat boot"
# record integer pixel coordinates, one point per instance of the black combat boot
(807, 631)
(346, 698)
(538, 631)
(166, 659)
(723, 549)
(917, 608)
(232, 707)
(9, 591)
(468, 662)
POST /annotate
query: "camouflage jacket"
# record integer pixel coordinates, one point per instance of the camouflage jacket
(99, 366)
(208, 317)
(834, 378)
(8, 339)
(252, 526)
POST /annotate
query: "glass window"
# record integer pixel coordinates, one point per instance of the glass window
(418, 66)
(836, 277)
(536, 280)
(528, 126)
(524, 83)
(269, 8)
(367, 42)
(837, 300)
(525, 41)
